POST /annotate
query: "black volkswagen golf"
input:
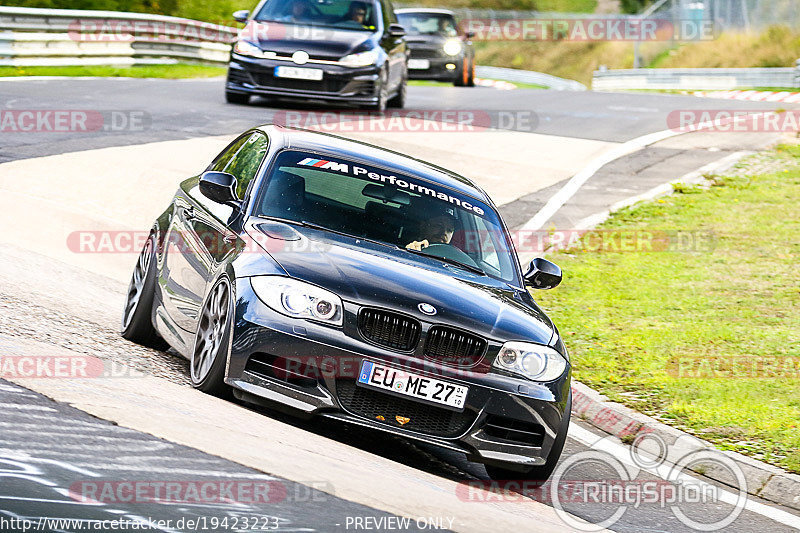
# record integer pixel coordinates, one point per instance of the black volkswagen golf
(338, 51)
(337, 279)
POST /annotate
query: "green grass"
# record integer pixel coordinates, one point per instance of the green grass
(432, 83)
(220, 10)
(627, 318)
(138, 71)
(564, 6)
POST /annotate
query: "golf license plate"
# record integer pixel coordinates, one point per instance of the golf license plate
(419, 64)
(298, 73)
(413, 385)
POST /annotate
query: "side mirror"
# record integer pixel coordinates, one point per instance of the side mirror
(542, 274)
(396, 30)
(469, 34)
(241, 15)
(219, 187)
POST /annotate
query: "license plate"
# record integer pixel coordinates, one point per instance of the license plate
(413, 385)
(298, 73)
(419, 64)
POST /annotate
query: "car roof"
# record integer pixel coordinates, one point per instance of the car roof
(424, 10)
(302, 139)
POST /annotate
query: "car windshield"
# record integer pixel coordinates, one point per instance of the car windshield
(341, 14)
(428, 24)
(412, 214)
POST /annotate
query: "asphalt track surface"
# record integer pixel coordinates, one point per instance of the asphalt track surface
(46, 447)
(191, 108)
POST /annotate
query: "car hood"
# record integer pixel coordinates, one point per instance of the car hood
(318, 42)
(426, 41)
(371, 274)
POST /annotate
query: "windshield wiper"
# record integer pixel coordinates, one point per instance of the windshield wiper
(465, 266)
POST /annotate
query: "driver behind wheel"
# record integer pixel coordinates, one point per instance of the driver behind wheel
(437, 229)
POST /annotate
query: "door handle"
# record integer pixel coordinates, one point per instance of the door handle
(229, 239)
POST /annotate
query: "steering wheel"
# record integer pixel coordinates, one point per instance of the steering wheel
(448, 251)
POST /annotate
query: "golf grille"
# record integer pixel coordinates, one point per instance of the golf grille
(389, 329)
(454, 347)
(423, 418)
(325, 85)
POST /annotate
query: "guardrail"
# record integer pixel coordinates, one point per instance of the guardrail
(528, 76)
(695, 78)
(47, 37)
(62, 37)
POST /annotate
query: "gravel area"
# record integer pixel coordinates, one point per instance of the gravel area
(25, 319)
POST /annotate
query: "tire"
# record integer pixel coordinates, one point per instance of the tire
(466, 75)
(538, 474)
(399, 100)
(137, 325)
(237, 98)
(212, 341)
(383, 96)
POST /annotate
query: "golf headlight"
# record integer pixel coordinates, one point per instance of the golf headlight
(452, 47)
(298, 299)
(361, 59)
(533, 361)
(247, 48)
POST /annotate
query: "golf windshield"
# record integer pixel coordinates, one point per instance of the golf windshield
(368, 202)
(340, 14)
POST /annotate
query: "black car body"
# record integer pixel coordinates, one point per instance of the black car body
(263, 273)
(311, 49)
(439, 50)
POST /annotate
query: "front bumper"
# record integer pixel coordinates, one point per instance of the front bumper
(312, 369)
(438, 70)
(339, 84)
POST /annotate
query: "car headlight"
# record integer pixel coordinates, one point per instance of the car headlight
(361, 59)
(533, 361)
(452, 47)
(298, 299)
(247, 48)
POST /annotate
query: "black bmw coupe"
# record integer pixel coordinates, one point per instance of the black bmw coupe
(337, 279)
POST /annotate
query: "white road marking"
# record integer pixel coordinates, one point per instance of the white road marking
(144, 447)
(15, 390)
(46, 500)
(577, 181)
(25, 407)
(622, 453)
(183, 471)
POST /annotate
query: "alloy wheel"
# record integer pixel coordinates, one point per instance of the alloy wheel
(210, 331)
